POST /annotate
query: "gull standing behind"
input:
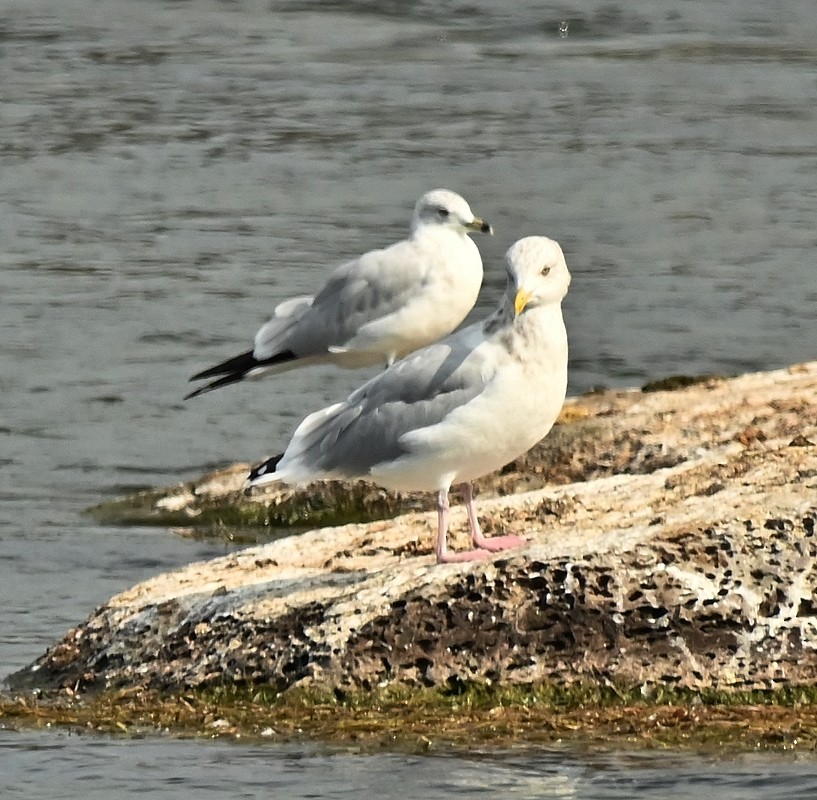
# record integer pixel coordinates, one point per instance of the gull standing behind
(376, 308)
(453, 411)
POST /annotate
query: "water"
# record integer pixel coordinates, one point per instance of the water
(168, 170)
(154, 768)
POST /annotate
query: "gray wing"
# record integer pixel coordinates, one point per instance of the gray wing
(271, 337)
(358, 292)
(348, 439)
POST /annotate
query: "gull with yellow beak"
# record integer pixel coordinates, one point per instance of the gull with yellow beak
(453, 411)
(378, 307)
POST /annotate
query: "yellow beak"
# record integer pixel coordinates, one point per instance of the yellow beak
(522, 298)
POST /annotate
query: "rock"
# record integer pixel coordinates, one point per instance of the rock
(691, 562)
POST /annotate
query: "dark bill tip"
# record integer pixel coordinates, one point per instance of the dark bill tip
(479, 225)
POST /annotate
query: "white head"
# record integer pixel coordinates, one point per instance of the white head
(447, 209)
(537, 273)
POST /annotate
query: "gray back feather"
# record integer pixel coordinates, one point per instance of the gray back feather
(358, 292)
(418, 391)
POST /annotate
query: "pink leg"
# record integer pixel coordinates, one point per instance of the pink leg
(492, 543)
(444, 555)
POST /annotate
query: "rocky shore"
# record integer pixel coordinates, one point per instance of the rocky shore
(671, 545)
(665, 596)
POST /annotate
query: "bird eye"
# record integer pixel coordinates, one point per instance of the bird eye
(443, 213)
(545, 270)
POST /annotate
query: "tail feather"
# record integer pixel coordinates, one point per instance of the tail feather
(235, 369)
(264, 469)
(225, 380)
(240, 363)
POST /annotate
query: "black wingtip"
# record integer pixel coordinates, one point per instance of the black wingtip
(243, 362)
(235, 369)
(216, 384)
(264, 468)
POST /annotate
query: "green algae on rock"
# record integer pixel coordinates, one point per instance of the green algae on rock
(218, 500)
(419, 720)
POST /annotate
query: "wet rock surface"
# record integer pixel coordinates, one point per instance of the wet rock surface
(682, 552)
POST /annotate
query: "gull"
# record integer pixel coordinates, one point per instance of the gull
(453, 411)
(378, 307)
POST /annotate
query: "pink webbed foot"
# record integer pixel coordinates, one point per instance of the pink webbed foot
(484, 546)
(495, 544)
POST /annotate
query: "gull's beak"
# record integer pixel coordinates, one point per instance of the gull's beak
(479, 226)
(523, 296)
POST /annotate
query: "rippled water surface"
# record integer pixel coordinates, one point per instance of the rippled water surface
(170, 170)
(100, 769)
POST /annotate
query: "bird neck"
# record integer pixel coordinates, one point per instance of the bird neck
(539, 329)
(432, 232)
